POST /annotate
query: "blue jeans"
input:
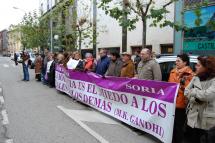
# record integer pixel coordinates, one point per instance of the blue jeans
(25, 72)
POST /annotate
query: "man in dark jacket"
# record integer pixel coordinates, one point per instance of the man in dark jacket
(103, 62)
(15, 59)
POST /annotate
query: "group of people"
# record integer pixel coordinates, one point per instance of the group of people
(195, 102)
(114, 65)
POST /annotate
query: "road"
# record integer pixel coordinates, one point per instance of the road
(35, 113)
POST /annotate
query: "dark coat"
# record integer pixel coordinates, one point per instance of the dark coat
(51, 74)
(102, 65)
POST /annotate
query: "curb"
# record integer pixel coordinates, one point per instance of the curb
(1, 90)
(3, 120)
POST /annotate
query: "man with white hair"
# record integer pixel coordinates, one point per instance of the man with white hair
(148, 68)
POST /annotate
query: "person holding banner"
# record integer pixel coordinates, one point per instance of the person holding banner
(182, 74)
(77, 57)
(201, 108)
(148, 68)
(115, 66)
(89, 63)
(103, 62)
(128, 68)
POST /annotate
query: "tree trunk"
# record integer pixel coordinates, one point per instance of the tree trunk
(74, 27)
(94, 27)
(144, 33)
(124, 29)
(124, 39)
(79, 41)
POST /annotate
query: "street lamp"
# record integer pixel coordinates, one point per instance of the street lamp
(19, 9)
(56, 37)
(56, 44)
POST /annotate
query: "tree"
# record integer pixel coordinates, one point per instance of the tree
(81, 26)
(86, 29)
(138, 10)
(34, 32)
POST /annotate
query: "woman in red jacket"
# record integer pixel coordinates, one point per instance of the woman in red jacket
(182, 74)
(89, 62)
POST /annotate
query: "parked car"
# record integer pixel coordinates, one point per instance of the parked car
(167, 63)
(12, 57)
(6, 54)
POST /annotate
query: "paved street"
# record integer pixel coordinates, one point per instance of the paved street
(34, 113)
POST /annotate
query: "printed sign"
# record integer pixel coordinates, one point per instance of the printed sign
(146, 105)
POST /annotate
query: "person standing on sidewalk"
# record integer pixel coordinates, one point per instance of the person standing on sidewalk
(128, 68)
(89, 64)
(115, 66)
(182, 74)
(103, 62)
(51, 70)
(201, 103)
(38, 66)
(148, 68)
(44, 65)
(15, 59)
(25, 58)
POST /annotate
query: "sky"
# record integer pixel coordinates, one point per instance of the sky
(207, 13)
(9, 15)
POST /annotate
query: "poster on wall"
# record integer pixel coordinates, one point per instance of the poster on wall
(198, 39)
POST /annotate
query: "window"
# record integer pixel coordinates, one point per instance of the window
(47, 5)
(111, 49)
(166, 48)
(41, 8)
(139, 48)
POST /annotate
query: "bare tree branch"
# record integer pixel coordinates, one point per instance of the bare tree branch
(170, 2)
(140, 7)
(134, 10)
(147, 8)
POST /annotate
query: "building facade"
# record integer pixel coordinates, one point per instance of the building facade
(160, 40)
(3, 43)
(14, 41)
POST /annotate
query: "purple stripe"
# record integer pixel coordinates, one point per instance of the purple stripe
(138, 86)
